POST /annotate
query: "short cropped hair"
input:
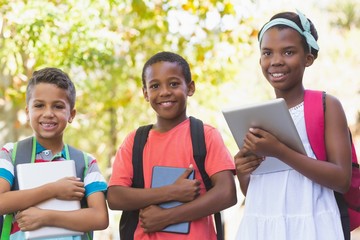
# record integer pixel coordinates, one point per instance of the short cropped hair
(52, 76)
(168, 57)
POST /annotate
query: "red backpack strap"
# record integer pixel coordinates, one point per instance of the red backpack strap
(315, 121)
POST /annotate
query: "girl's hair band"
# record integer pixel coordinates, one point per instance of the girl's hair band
(283, 21)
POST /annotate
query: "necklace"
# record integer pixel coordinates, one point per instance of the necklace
(297, 107)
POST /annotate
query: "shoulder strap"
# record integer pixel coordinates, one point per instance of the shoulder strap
(199, 148)
(81, 165)
(81, 161)
(6, 227)
(22, 153)
(314, 109)
(199, 153)
(129, 219)
(137, 155)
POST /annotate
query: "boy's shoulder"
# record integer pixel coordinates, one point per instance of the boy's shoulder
(8, 147)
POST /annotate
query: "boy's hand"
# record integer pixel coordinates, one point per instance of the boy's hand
(30, 219)
(69, 188)
(152, 219)
(186, 190)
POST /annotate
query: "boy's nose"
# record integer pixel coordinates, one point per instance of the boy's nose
(164, 91)
(48, 112)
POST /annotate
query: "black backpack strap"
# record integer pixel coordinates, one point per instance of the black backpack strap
(130, 219)
(137, 155)
(199, 152)
(343, 209)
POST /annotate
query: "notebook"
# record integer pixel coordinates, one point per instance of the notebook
(162, 176)
(31, 175)
(272, 116)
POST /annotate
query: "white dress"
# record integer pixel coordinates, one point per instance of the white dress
(286, 205)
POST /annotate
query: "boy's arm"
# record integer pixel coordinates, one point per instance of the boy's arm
(95, 217)
(13, 201)
(128, 198)
(221, 196)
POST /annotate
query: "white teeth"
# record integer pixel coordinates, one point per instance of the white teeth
(48, 124)
(277, 74)
(166, 103)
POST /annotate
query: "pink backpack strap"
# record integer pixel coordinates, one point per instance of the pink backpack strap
(314, 110)
(315, 122)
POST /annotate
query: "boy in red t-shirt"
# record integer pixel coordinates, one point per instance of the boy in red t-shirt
(166, 85)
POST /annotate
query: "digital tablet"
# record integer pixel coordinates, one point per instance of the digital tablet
(31, 175)
(162, 176)
(272, 116)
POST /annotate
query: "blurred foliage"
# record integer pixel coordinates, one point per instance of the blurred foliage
(347, 14)
(103, 46)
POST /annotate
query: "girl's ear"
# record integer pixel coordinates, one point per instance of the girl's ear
(145, 93)
(191, 88)
(309, 59)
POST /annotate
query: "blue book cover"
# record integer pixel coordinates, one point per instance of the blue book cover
(162, 176)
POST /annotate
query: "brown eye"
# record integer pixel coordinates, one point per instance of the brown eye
(154, 86)
(174, 84)
(38, 105)
(59, 106)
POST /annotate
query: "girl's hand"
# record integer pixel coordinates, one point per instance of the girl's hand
(246, 162)
(69, 188)
(261, 142)
(184, 189)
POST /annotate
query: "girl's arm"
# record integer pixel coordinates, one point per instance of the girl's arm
(245, 164)
(221, 196)
(94, 217)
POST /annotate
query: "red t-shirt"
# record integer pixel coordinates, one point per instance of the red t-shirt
(173, 148)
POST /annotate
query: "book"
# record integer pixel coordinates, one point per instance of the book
(162, 176)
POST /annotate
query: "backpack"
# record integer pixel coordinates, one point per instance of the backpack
(129, 219)
(1, 223)
(349, 203)
(20, 155)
